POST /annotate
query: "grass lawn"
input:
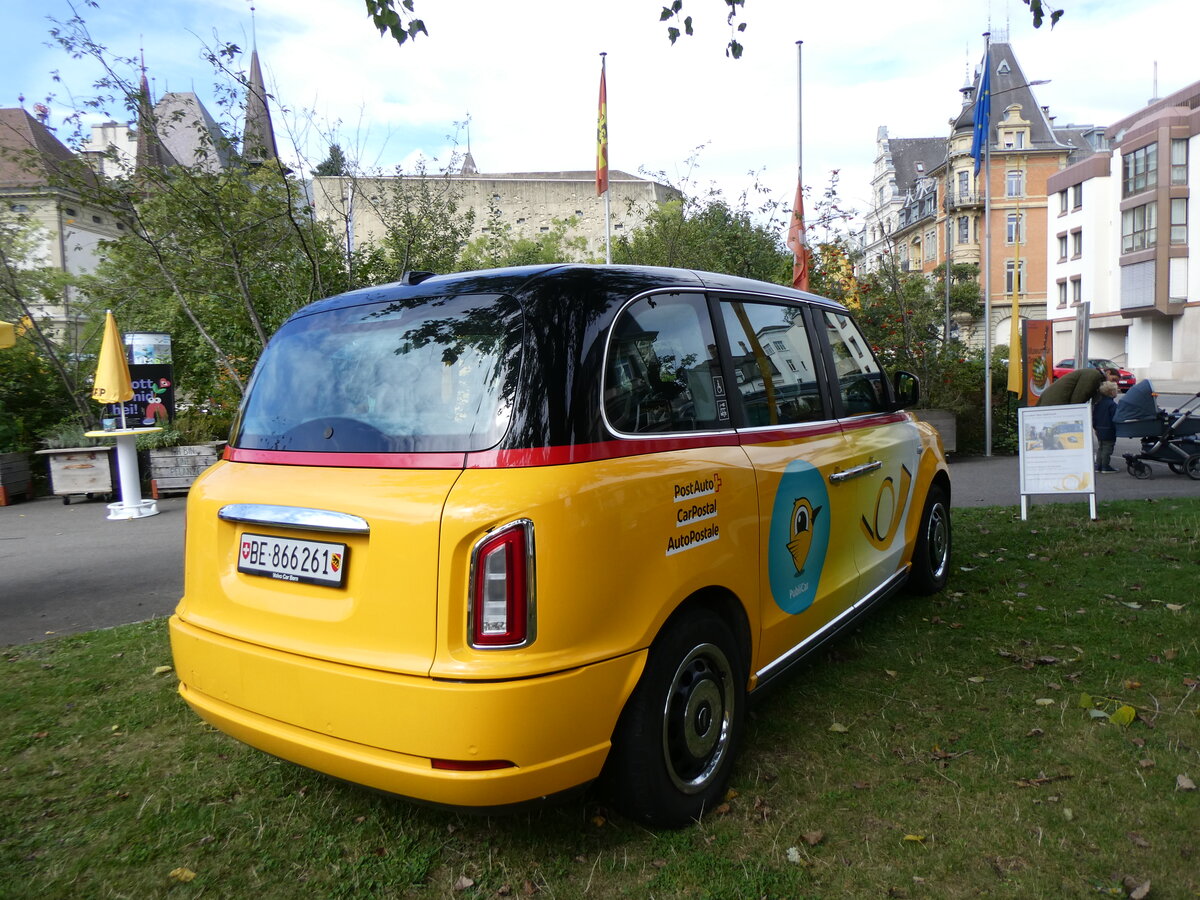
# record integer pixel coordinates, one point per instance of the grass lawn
(1034, 731)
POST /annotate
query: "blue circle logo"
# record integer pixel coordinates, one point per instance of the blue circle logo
(799, 536)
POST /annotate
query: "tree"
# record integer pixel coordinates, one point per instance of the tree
(401, 22)
(334, 164)
(498, 247)
(26, 286)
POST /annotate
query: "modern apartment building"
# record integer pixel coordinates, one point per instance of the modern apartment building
(1121, 231)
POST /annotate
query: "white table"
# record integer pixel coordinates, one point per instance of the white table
(131, 505)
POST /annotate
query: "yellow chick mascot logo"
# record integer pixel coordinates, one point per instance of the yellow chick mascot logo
(803, 518)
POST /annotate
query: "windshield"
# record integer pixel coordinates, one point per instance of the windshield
(397, 377)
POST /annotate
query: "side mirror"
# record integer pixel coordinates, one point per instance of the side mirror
(906, 389)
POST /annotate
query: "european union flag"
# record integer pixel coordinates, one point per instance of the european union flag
(983, 107)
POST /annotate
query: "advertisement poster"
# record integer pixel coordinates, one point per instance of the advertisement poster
(1056, 449)
(1038, 347)
(153, 400)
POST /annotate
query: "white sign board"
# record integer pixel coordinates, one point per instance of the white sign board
(1056, 453)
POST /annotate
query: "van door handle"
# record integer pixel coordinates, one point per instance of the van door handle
(856, 472)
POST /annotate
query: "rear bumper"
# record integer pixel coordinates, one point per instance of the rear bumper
(384, 730)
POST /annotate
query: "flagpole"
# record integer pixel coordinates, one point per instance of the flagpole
(799, 114)
(987, 248)
(602, 157)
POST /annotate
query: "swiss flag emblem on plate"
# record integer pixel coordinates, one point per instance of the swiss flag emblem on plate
(245, 549)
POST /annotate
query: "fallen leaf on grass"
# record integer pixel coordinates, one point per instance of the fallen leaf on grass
(1044, 701)
(1034, 732)
(1175, 607)
(812, 838)
(795, 856)
(463, 883)
(1097, 714)
(1183, 783)
(977, 679)
(183, 874)
(1146, 763)
(1041, 779)
(162, 670)
(1123, 716)
(1136, 890)
(916, 838)
(1137, 839)
(838, 727)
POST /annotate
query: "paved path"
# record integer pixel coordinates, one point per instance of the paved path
(67, 569)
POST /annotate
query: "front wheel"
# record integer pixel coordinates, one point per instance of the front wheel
(1139, 469)
(673, 749)
(931, 556)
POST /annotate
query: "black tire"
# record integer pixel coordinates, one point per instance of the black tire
(673, 749)
(931, 555)
(1192, 466)
(1177, 468)
(1140, 470)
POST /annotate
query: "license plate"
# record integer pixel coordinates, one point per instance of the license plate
(287, 559)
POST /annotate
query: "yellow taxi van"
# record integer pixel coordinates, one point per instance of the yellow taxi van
(483, 538)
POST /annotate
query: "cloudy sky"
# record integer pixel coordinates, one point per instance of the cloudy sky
(527, 73)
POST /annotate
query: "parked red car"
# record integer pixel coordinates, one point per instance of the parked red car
(1124, 382)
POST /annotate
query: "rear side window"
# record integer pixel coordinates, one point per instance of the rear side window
(663, 373)
(773, 363)
(436, 376)
(859, 378)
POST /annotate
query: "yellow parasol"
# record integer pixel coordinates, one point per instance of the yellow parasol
(8, 335)
(112, 384)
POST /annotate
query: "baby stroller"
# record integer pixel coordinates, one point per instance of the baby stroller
(1167, 437)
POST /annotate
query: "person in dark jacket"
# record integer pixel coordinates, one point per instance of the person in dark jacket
(1103, 406)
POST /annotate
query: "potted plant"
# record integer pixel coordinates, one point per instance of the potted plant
(78, 465)
(181, 451)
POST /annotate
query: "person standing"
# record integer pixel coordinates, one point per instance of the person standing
(1103, 406)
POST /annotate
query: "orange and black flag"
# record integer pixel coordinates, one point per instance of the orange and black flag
(602, 139)
(798, 243)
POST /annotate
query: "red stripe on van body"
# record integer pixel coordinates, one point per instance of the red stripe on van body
(553, 456)
(347, 460)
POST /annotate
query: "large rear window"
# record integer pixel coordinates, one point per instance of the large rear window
(398, 377)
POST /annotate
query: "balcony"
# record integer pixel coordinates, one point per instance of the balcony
(960, 199)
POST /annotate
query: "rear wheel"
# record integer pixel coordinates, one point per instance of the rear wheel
(1139, 469)
(673, 750)
(931, 556)
(1192, 466)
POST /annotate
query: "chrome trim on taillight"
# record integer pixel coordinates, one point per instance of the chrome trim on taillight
(530, 576)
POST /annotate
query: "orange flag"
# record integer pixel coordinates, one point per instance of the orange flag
(798, 243)
(602, 139)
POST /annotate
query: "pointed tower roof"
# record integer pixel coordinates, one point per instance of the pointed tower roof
(151, 154)
(258, 141)
(1009, 87)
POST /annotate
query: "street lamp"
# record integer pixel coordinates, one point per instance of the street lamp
(987, 257)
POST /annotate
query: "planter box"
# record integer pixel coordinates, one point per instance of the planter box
(943, 420)
(173, 469)
(75, 471)
(15, 477)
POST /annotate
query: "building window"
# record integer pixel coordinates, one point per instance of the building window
(1062, 293)
(1062, 247)
(1015, 229)
(964, 185)
(1014, 184)
(964, 229)
(1077, 196)
(1076, 290)
(1141, 169)
(931, 245)
(1179, 155)
(70, 211)
(1062, 202)
(1076, 244)
(97, 220)
(1138, 226)
(1179, 221)
(1009, 268)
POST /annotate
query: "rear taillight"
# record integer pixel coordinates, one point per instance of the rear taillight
(501, 604)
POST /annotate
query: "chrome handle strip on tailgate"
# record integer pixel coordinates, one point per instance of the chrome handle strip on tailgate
(294, 517)
(865, 469)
